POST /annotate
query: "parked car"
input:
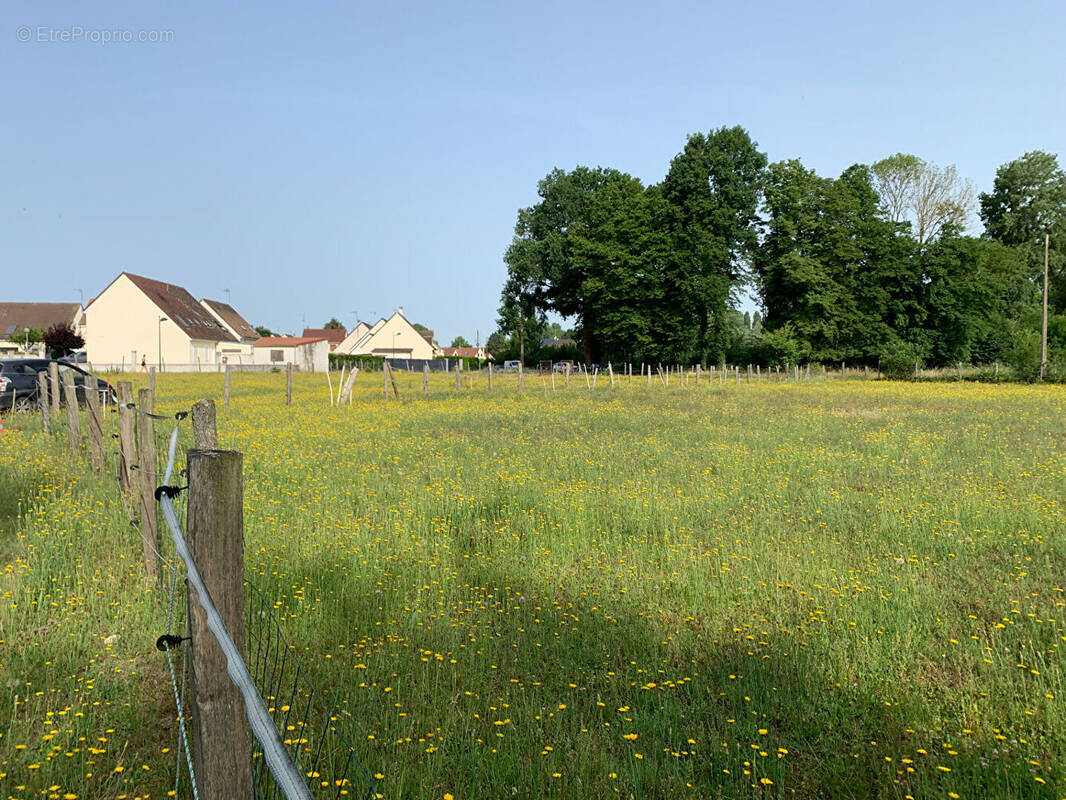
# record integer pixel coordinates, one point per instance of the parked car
(77, 357)
(18, 382)
(511, 366)
(561, 366)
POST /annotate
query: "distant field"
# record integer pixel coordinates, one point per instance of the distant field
(836, 589)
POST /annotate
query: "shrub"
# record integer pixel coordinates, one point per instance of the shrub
(899, 359)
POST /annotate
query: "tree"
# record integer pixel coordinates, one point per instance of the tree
(496, 344)
(712, 189)
(929, 197)
(833, 266)
(62, 339)
(26, 335)
(1027, 201)
(334, 324)
(459, 341)
(620, 248)
(263, 330)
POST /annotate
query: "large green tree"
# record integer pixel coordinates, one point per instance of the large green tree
(1027, 201)
(712, 190)
(832, 267)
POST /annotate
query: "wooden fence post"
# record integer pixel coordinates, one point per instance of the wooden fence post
(392, 379)
(346, 392)
(73, 421)
(225, 392)
(204, 429)
(610, 371)
(288, 384)
(569, 369)
(222, 742)
(126, 446)
(151, 380)
(42, 391)
(146, 463)
(53, 375)
(519, 377)
(385, 378)
(425, 378)
(458, 379)
(94, 423)
(490, 376)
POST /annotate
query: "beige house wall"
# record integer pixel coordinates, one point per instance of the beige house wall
(122, 325)
(395, 338)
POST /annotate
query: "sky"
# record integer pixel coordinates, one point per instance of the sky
(324, 160)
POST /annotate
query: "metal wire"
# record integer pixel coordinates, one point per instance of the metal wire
(262, 724)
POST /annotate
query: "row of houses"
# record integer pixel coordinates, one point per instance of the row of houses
(137, 321)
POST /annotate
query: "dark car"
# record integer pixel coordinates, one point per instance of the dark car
(18, 382)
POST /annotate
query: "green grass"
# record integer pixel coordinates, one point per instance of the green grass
(842, 588)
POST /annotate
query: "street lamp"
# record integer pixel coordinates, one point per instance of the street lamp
(159, 329)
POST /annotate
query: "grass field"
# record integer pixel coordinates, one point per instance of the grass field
(835, 589)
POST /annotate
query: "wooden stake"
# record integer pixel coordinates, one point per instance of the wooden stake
(458, 380)
(204, 430)
(94, 423)
(1043, 328)
(490, 377)
(53, 374)
(70, 391)
(42, 391)
(345, 394)
(610, 371)
(425, 378)
(329, 379)
(146, 463)
(225, 391)
(392, 379)
(288, 384)
(151, 379)
(127, 446)
(221, 740)
(520, 377)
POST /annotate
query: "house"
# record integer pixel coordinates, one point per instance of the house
(137, 318)
(557, 343)
(240, 351)
(17, 317)
(306, 353)
(332, 335)
(479, 353)
(394, 337)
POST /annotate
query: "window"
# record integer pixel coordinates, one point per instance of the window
(277, 355)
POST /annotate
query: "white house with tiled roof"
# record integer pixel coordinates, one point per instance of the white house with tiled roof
(394, 337)
(139, 319)
(239, 351)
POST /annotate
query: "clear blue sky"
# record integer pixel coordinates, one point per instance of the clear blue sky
(324, 159)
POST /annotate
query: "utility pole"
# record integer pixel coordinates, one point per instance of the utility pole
(1043, 329)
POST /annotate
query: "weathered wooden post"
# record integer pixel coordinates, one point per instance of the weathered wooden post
(204, 429)
(146, 462)
(392, 380)
(221, 740)
(70, 391)
(346, 392)
(53, 375)
(126, 443)
(490, 376)
(610, 371)
(458, 379)
(519, 377)
(42, 391)
(225, 391)
(425, 378)
(569, 369)
(385, 377)
(94, 423)
(288, 384)
(151, 380)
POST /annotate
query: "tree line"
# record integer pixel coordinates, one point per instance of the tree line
(872, 267)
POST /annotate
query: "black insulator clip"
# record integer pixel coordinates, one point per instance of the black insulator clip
(168, 640)
(169, 491)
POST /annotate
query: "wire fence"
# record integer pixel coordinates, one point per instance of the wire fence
(299, 749)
